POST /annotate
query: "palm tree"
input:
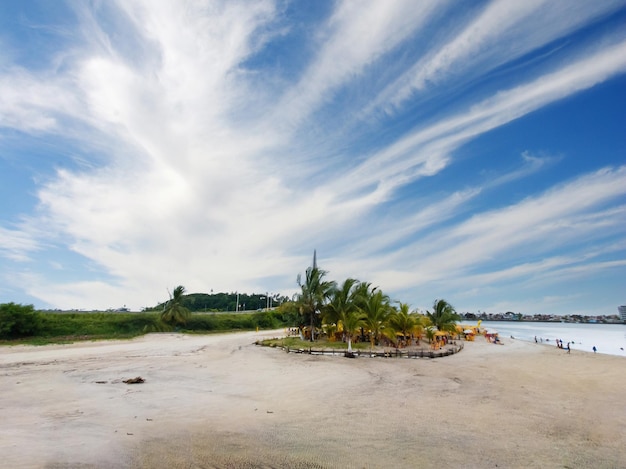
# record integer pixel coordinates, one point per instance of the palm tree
(362, 292)
(315, 292)
(351, 321)
(376, 310)
(430, 334)
(403, 321)
(443, 317)
(343, 309)
(330, 330)
(341, 300)
(174, 312)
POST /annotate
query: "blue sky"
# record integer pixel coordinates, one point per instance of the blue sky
(470, 152)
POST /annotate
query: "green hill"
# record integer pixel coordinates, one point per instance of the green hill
(221, 302)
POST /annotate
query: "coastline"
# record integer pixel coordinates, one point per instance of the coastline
(607, 338)
(220, 401)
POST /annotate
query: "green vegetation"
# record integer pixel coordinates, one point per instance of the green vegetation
(238, 322)
(377, 314)
(297, 343)
(444, 316)
(356, 311)
(174, 313)
(224, 302)
(69, 327)
(406, 323)
(343, 310)
(314, 294)
(334, 315)
(18, 321)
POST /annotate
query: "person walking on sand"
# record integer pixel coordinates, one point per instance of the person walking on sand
(568, 349)
(594, 349)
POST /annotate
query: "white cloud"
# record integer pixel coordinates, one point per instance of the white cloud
(472, 251)
(541, 219)
(502, 32)
(203, 184)
(425, 152)
(33, 104)
(82, 295)
(17, 244)
(357, 35)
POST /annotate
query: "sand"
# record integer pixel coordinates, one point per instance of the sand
(219, 401)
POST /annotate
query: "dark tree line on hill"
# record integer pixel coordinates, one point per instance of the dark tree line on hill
(220, 302)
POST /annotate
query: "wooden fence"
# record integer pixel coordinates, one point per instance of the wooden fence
(394, 353)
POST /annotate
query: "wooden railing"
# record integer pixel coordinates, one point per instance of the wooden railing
(392, 353)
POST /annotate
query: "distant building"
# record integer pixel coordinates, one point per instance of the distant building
(622, 312)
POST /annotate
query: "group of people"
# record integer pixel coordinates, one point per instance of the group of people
(559, 344)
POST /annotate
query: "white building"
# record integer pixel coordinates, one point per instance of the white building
(622, 312)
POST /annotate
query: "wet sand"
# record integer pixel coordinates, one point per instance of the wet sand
(219, 401)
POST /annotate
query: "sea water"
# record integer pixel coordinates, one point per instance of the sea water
(607, 338)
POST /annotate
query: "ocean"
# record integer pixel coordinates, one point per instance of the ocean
(607, 338)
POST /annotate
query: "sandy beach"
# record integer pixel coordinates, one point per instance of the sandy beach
(219, 401)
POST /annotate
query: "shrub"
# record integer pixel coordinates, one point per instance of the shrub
(96, 324)
(18, 321)
(265, 320)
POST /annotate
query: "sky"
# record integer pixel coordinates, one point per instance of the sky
(472, 151)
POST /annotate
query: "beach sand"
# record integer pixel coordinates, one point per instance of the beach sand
(218, 401)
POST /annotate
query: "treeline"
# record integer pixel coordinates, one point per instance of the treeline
(23, 322)
(220, 302)
(354, 308)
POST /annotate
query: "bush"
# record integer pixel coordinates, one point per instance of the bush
(219, 322)
(18, 321)
(96, 324)
(201, 322)
(228, 322)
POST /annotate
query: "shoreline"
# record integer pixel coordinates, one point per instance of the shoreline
(609, 339)
(221, 401)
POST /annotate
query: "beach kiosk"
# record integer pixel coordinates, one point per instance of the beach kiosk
(469, 334)
(440, 340)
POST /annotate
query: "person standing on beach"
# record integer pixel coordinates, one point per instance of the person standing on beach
(568, 349)
(594, 349)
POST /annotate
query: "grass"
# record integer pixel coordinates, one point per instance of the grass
(64, 339)
(297, 343)
(59, 328)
